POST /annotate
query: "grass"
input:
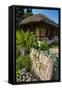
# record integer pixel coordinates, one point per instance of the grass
(23, 62)
(53, 45)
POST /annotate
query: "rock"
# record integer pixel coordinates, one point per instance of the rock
(22, 51)
(34, 80)
(23, 71)
(24, 77)
(20, 77)
(27, 76)
(29, 79)
(18, 80)
(31, 75)
(28, 73)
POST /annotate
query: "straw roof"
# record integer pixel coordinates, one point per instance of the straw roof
(38, 18)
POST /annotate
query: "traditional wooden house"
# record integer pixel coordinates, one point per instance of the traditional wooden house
(43, 26)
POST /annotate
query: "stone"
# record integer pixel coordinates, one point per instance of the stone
(22, 51)
(20, 77)
(29, 79)
(18, 80)
(34, 80)
(23, 72)
(27, 76)
(45, 72)
(23, 77)
(30, 75)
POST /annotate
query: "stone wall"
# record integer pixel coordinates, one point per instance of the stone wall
(41, 65)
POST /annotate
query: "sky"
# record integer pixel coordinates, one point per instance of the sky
(52, 14)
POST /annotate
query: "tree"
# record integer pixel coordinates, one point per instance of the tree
(29, 11)
(22, 13)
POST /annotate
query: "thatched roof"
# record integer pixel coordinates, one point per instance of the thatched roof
(38, 18)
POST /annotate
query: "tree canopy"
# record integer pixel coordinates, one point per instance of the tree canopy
(22, 13)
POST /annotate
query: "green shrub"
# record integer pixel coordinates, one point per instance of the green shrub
(44, 45)
(54, 44)
(26, 62)
(20, 38)
(26, 39)
(23, 62)
(30, 40)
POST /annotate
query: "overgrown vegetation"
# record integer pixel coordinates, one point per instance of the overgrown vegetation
(44, 46)
(54, 44)
(24, 40)
(22, 13)
(54, 56)
(23, 62)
